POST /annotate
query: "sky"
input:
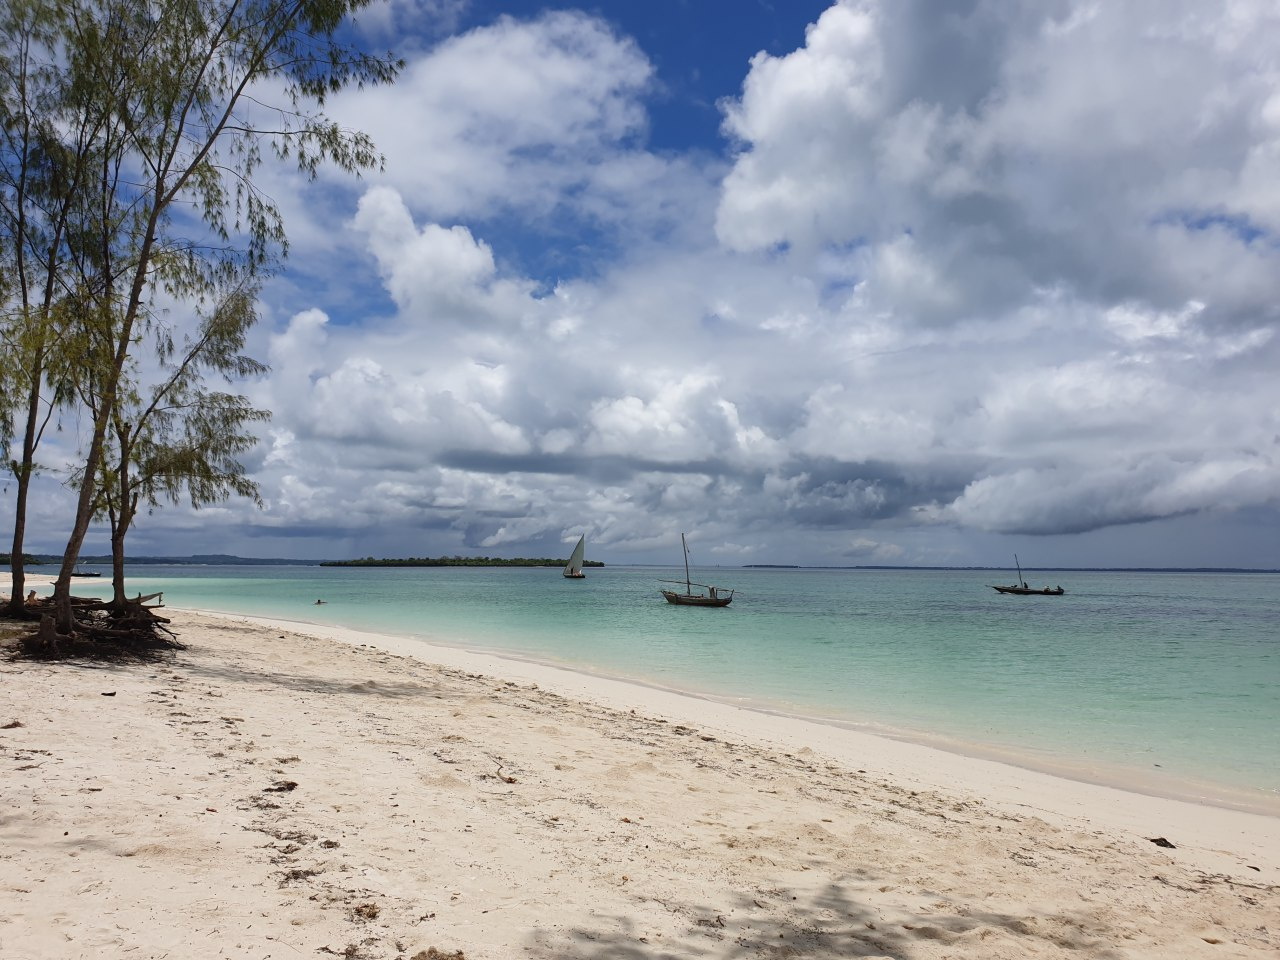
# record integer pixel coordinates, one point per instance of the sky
(863, 282)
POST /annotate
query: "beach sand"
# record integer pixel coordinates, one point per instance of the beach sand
(281, 790)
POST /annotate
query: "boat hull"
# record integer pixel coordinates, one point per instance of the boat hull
(575, 576)
(695, 599)
(1029, 591)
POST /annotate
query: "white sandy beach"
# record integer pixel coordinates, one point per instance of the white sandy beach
(279, 790)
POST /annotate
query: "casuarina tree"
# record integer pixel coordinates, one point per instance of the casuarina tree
(186, 99)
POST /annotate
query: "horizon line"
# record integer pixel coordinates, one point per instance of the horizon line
(235, 560)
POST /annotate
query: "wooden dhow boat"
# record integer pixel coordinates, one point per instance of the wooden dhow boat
(573, 569)
(1023, 590)
(705, 596)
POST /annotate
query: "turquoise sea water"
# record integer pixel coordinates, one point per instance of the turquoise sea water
(1165, 681)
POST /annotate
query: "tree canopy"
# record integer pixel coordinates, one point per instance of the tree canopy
(132, 133)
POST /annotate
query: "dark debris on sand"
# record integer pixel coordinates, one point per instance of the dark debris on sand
(103, 631)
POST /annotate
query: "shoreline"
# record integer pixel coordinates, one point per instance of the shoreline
(924, 765)
(276, 789)
(1075, 768)
(1101, 774)
(1155, 760)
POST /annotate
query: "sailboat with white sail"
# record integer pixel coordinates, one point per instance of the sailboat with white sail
(573, 569)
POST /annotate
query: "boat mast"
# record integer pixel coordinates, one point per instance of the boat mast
(688, 587)
(1019, 566)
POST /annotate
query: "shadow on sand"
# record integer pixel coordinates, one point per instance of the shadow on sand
(833, 924)
(197, 667)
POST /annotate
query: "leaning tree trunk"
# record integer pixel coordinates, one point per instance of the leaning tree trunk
(106, 409)
(85, 501)
(62, 586)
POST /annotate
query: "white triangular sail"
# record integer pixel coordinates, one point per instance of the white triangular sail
(574, 567)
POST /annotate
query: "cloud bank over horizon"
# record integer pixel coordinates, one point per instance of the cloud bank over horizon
(949, 285)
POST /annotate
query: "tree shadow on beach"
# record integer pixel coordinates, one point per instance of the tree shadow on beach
(196, 669)
(835, 923)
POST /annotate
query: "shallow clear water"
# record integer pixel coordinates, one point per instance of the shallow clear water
(1175, 676)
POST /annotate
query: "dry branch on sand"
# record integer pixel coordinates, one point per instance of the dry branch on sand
(103, 630)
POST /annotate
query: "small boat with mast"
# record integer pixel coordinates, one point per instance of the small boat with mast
(1023, 590)
(705, 596)
(573, 569)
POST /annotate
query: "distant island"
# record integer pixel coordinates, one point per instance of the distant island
(30, 560)
(223, 559)
(456, 562)
(200, 560)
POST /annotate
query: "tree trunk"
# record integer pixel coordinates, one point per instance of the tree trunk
(17, 597)
(85, 501)
(18, 577)
(118, 599)
(84, 514)
(119, 528)
(47, 637)
(106, 410)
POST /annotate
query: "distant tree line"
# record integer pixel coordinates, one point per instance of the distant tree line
(457, 562)
(28, 559)
(134, 240)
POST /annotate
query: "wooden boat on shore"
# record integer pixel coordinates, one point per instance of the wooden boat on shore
(1022, 589)
(573, 569)
(705, 596)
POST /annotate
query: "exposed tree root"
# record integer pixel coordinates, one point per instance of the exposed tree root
(102, 631)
